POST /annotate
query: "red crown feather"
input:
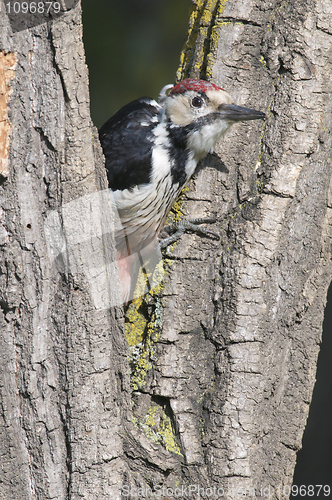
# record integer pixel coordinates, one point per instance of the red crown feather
(193, 84)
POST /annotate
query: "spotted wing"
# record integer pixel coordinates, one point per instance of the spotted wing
(126, 139)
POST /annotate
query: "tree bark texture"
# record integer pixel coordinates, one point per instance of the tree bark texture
(223, 355)
(64, 377)
(236, 355)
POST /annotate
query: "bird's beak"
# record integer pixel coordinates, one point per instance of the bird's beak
(234, 113)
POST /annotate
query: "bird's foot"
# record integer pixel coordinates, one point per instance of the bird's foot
(175, 231)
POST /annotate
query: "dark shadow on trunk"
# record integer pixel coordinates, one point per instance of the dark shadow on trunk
(314, 460)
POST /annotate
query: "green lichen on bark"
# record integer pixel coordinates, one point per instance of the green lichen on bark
(158, 427)
(142, 326)
(203, 34)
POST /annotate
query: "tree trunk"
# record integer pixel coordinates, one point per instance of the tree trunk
(64, 377)
(223, 354)
(236, 357)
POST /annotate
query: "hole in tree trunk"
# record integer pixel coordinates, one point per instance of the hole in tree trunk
(314, 460)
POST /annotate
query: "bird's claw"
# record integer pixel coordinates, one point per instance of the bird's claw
(176, 230)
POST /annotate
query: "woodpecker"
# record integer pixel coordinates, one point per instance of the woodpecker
(152, 149)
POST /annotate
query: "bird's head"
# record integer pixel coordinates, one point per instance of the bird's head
(203, 112)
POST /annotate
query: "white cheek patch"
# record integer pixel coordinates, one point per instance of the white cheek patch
(181, 112)
(178, 110)
(203, 141)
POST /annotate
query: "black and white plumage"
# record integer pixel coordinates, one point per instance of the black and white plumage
(152, 150)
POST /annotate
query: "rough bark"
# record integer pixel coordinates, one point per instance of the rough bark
(223, 358)
(236, 358)
(64, 378)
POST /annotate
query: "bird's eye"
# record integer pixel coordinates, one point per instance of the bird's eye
(197, 102)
